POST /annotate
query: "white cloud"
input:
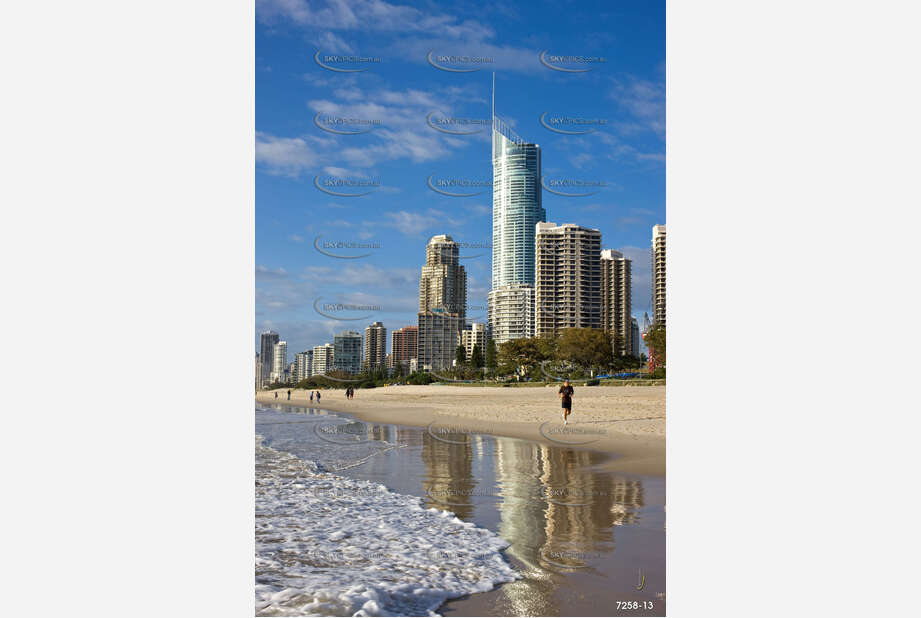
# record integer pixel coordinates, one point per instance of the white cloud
(288, 156)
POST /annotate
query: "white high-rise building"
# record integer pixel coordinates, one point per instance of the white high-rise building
(517, 207)
(375, 346)
(474, 335)
(279, 361)
(303, 365)
(658, 274)
(511, 312)
(323, 356)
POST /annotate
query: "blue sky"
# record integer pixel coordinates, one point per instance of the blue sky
(399, 150)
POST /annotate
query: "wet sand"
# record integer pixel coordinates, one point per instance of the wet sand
(628, 421)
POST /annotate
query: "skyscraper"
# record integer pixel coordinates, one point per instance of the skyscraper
(279, 361)
(510, 312)
(267, 341)
(375, 346)
(567, 293)
(516, 210)
(438, 338)
(258, 369)
(403, 345)
(347, 355)
(658, 274)
(323, 356)
(442, 303)
(443, 284)
(616, 277)
(303, 365)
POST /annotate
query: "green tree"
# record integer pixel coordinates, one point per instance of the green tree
(460, 356)
(491, 362)
(588, 347)
(476, 357)
(655, 341)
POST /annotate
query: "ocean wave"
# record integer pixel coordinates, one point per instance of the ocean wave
(332, 546)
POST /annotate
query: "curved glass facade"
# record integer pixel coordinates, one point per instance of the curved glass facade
(516, 206)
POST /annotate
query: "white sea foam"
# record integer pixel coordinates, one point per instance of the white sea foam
(332, 546)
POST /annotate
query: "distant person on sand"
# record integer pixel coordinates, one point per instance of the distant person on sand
(311, 396)
(276, 394)
(289, 394)
(565, 393)
(318, 397)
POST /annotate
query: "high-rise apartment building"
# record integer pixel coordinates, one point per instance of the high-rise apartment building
(347, 355)
(267, 341)
(303, 365)
(474, 335)
(438, 339)
(510, 312)
(404, 344)
(443, 284)
(375, 346)
(279, 361)
(258, 371)
(323, 358)
(516, 209)
(616, 281)
(567, 290)
(658, 274)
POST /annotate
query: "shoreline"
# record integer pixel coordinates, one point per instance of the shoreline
(628, 422)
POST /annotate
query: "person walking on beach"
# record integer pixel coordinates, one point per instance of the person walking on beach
(311, 396)
(276, 394)
(565, 393)
(318, 397)
(289, 394)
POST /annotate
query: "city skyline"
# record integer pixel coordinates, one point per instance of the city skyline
(416, 165)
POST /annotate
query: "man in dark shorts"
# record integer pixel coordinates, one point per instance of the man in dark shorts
(565, 393)
(289, 394)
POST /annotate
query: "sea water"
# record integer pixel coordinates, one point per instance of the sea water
(327, 545)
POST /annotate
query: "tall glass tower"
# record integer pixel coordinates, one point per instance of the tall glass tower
(516, 210)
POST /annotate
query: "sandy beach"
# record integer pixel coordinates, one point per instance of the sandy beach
(626, 420)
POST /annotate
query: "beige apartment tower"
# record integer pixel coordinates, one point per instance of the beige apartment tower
(658, 274)
(323, 357)
(567, 284)
(375, 346)
(615, 300)
(443, 284)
